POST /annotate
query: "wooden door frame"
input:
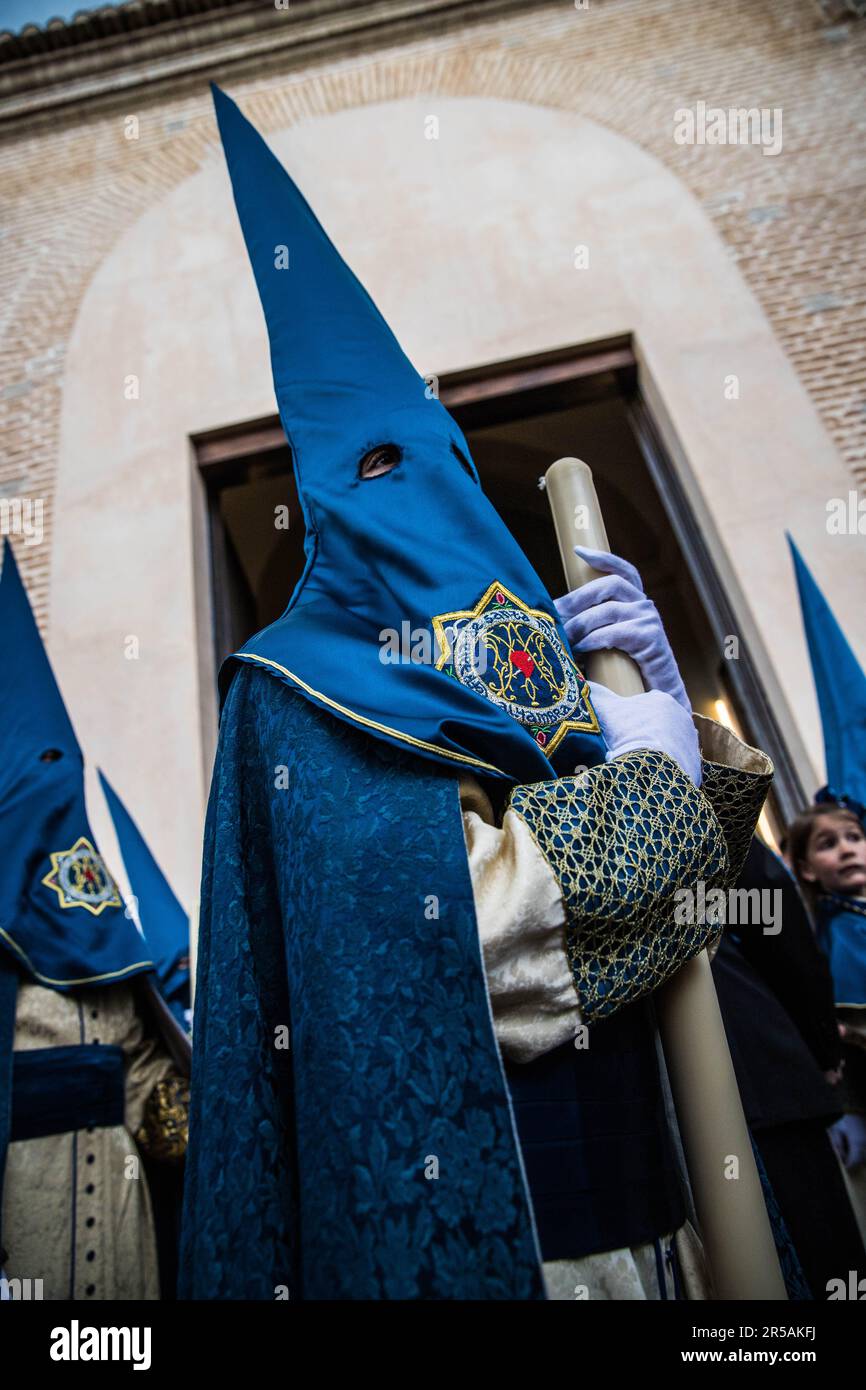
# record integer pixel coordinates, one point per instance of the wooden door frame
(493, 394)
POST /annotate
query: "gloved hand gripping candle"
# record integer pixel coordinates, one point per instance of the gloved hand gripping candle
(732, 1215)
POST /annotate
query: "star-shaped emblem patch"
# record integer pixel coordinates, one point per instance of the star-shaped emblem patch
(80, 879)
(514, 656)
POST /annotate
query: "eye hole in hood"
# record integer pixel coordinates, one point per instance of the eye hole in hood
(382, 459)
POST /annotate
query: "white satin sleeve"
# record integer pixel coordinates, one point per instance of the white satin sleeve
(521, 923)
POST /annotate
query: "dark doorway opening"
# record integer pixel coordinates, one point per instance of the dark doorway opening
(519, 416)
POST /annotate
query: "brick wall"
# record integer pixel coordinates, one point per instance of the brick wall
(793, 223)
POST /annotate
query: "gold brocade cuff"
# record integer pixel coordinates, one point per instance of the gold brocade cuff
(164, 1131)
(736, 779)
(622, 838)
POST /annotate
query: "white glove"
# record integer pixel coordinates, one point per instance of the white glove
(614, 613)
(653, 720)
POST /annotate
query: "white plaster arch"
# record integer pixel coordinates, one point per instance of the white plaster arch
(466, 243)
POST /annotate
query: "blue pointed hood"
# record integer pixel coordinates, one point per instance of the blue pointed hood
(417, 617)
(841, 688)
(161, 917)
(61, 915)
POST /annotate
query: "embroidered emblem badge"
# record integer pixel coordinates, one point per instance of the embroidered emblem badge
(513, 655)
(80, 879)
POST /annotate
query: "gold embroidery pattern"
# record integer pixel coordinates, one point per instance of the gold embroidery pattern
(360, 718)
(622, 838)
(164, 1130)
(527, 669)
(737, 798)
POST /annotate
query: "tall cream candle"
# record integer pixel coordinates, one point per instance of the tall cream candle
(729, 1202)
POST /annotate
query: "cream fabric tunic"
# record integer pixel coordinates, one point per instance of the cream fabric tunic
(76, 1206)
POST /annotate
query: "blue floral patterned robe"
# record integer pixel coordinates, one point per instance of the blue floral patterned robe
(352, 1132)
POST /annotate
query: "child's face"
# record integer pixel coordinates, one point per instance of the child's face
(836, 856)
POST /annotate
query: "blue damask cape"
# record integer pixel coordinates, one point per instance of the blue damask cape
(351, 1129)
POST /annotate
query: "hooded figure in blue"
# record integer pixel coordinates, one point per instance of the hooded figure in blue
(387, 1099)
(52, 876)
(420, 546)
(85, 1034)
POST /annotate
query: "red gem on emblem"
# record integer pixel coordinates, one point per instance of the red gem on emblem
(499, 596)
(523, 661)
(541, 738)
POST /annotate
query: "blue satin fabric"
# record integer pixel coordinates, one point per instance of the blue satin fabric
(841, 932)
(401, 549)
(376, 1156)
(163, 920)
(60, 940)
(840, 684)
